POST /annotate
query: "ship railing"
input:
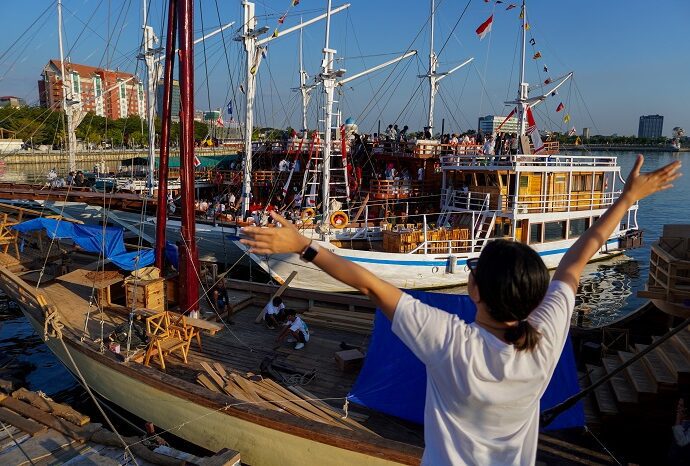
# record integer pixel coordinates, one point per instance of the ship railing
(386, 189)
(450, 247)
(458, 200)
(520, 161)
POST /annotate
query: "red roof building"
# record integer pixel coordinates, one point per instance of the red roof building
(112, 94)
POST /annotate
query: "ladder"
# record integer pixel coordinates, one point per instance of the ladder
(484, 227)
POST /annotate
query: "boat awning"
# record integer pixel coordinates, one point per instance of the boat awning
(92, 238)
(393, 380)
(207, 161)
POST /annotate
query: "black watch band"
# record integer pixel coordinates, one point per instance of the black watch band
(309, 253)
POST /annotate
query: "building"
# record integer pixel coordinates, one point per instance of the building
(585, 134)
(488, 124)
(11, 101)
(651, 126)
(175, 110)
(112, 94)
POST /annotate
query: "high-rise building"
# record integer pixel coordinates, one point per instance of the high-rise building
(112, 94)
(12, 101)
(651, 126)
(585, 134)
(490, 123)
(175, 107)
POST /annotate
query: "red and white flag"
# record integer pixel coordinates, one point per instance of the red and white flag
(572, 131)
(511, 6)
(534, 132)
(197, 162)
(560, 107)
(485, 27)
(219, 121)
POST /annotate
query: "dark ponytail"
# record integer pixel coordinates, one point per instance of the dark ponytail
(522, 336)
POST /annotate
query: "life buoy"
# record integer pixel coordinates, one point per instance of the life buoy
(339, 219)
(308, 214)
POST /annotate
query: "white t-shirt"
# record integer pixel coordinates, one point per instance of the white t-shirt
(271, 309)
(299, 325)
(482, 396)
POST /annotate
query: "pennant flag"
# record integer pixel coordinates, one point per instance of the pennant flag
(295, 2)
(485, 27)
(546, 69)
(579, 142)
(526, 26)
(572, 131)
(219, 121)
(281, 20)
(275, 33)
(512, 112)
(554, 93)
(230, 108)
(548, 81)
(566, 118)
(263, 52)
(560, 107)
(252, 70)
(533, 132)
(511, 6)
(499, 1)
(532, 41)
(522, 12)
(197, 162)
(536, 56)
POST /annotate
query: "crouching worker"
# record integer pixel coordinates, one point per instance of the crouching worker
(274, 312)
(296, 328)
(484, 379)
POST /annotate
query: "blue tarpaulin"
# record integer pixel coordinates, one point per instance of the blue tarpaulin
(109, 241)
(393, 380)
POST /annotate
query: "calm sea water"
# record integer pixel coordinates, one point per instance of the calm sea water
(608, 288)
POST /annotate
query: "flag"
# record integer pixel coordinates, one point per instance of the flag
(572, 131)
(197, 162)
(242, 88)
(522, 12)
(275, 33)
(546, 69)
(534, 132)
(526, 26)
(548, 81)
(281, 20)
(499, 1)
(295, 2)
(219, 121)
(511, 6)
(554, 93)
(512, 112)
(536, 55)
(560, 107)
(566, 118)
(485, 27)
(532, 41)
(230, 108)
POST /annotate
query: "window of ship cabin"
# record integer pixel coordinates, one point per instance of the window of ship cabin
(535, 232)
(524, 181)
(582, 182)
(599, 182)
(577, 227)
(554, 231)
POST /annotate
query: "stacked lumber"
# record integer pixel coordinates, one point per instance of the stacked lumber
(352, 321)
(268, 394)
(669, 266)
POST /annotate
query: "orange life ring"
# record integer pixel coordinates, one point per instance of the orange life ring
(308, 214)
(339, 219)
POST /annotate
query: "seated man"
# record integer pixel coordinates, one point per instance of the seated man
(297, 328)
(274, 312)
(221, 299)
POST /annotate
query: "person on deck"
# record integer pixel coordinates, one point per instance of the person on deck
(484, 379)
(221, 301)
(295, 327)
(274, 312)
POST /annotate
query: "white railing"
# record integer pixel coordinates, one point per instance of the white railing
(517, 161)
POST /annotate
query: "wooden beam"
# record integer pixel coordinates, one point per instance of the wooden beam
(27, 425)
(280, 291)
(51, 421)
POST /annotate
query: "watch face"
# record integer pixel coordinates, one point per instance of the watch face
(309, 254)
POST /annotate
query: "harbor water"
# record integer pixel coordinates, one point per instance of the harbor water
(608, 289)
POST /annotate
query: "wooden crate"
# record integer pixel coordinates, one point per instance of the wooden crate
(146, 294)
(349, 360)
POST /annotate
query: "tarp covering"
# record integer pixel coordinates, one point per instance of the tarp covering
(393, 380)
(109, 241)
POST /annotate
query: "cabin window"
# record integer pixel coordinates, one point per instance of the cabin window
(535, 233)
(554, 231)
(524, 181)
(582, 183)
(577, 227)
(599, 182)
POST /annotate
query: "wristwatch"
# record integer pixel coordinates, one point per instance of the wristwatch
(309, 253)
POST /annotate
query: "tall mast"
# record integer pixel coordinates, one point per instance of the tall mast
(249, 38)
(522, 91)
(151, 77)
(432, 72)
(304, 89)
(189, 281)
(66, 103)
(161, 212)
(328, 80)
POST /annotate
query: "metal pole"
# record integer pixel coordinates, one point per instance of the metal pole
(66, 87)
(522, 92)
(432, 71)
(189, 291)
(149, 40)
(161, 212)
(249, 39)
(329, 88)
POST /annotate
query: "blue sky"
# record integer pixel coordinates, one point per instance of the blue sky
(629, 58)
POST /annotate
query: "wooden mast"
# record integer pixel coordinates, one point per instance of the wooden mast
(189, 259)
(162, 211)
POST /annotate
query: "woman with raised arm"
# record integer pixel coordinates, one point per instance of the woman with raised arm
(484, 379)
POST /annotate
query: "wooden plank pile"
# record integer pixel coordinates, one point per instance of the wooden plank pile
(352, 321)
(669, 266)
(406, 240)
(268, 394)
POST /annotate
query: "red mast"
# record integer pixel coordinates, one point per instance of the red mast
(189, 259)
(161, 213)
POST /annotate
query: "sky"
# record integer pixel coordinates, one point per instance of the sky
(628, 58)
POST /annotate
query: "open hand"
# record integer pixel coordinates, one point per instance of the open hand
(274, 240)
(640, 185)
